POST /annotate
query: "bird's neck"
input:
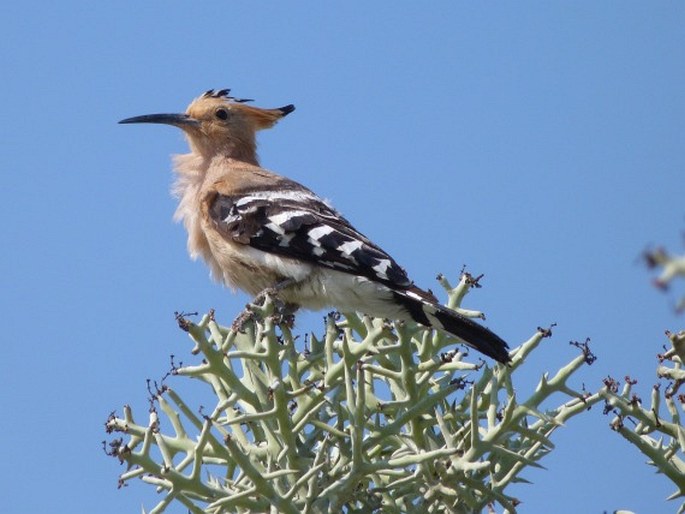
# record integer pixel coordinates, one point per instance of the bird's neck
(242, 151)
(239, 148)
(191, 172)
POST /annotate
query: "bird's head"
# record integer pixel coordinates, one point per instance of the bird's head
(217, 123)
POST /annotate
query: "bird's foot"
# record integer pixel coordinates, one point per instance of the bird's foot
(273, 291)
(243, 317)
(260, 299)
(282, 313)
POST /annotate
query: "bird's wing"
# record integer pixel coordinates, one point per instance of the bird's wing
(298, 224)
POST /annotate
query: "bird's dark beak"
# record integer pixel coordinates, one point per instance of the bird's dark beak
(177, 120)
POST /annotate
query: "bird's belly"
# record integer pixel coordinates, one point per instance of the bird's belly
(326, 288)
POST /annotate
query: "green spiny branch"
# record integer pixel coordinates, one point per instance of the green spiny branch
(371, 416)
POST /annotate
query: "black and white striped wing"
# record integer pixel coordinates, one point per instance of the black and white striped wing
(299, 225)
(296, 224)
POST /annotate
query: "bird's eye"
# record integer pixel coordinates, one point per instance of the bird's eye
(222, 114)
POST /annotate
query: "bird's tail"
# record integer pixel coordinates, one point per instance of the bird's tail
(431, 314)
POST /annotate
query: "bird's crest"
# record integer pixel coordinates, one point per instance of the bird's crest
(226, 94)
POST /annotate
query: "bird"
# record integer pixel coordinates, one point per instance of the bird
(262, 232)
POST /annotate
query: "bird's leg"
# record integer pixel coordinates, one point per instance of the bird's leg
(273, 290)
(284, 309)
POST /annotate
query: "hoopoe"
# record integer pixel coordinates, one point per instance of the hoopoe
(260, 231)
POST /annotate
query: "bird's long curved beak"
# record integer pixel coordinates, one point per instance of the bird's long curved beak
(177, 120)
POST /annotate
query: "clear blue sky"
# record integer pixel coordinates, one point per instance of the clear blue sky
(539, 143)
